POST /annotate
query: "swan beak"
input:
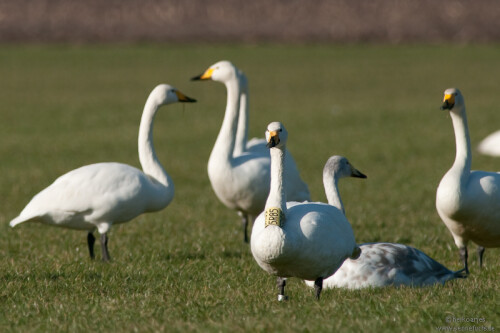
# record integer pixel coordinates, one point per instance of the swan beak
(205, 76)
(358, 174)
(183, 98)
(273, 139)
(448, 102)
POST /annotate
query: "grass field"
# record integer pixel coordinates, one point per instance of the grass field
(186, 268)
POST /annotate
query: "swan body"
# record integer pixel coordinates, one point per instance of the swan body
(468, 201)
(240, 174)
(388, 264)
(380, 264)
(307, 240)
(98, 195)
(490, 145)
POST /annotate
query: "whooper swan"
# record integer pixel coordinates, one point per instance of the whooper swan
(98, 195)
(380, 264)
(306, 240)
(241, 181)
(468, 201)
(490, 145)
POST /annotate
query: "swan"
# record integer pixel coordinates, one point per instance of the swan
(241, 181)
(308, 240)
(242, 144)
(468, 201)
(380, 264)
(97, 195)
(490, 145)
(389, 264)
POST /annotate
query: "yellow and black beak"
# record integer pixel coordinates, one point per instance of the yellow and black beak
(273, 139)
(183, 98)
(207, 75)
(448, 102)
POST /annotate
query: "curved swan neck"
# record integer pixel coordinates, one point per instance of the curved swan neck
(147, 155)
(330, 183)
(224, 145)
(463, 157)
(277, 195)
(242, 131)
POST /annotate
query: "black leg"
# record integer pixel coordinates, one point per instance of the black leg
(318, 286)
(244, 223)
(480, 252)
(104, 247)
(281, 282)
(91, 242)
(464, 256)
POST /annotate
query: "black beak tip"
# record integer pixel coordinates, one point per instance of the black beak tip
(446, 106)
(196, 78)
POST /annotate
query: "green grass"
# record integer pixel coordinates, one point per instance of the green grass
(185, 268)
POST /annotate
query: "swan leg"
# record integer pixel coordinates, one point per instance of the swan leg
(281, 282)
(91, 242)
(318, 286)
(464, 256)
(244, 223)
(480, 252)
(104, 247)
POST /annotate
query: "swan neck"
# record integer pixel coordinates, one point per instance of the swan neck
(463, 157)
(147, 154)
(242, 131)
(332, 191)
(224, 145)
(277, 196)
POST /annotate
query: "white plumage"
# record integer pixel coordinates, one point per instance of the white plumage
(388, 264)
(490, 145)
(380, 264)
(242, 144)
(305, 240)
(240, 174)
(468, 201)
(98, 195)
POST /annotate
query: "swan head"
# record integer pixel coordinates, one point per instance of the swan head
(340, 167)
(452, 97)
(222, 71)
(164, 94)
(276, 135)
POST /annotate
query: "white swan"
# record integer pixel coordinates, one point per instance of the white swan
(490, 145)
(98, 195)
(389, 264)
(305, 240)
(242, 144)
(380, 264)
(468, 201)
(241, 182)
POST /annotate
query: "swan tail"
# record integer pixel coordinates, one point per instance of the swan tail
(461, 274)
(18, 220)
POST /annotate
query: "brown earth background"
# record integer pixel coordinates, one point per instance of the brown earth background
(296, 21)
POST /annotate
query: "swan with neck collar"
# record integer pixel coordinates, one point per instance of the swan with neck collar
(239, 171)
(307, 240)
(380, 264)
(468, 201)
(98, 195)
